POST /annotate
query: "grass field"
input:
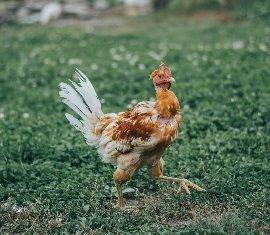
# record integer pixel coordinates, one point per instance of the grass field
(52, 182)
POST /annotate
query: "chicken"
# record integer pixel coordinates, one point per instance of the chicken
(131, 139)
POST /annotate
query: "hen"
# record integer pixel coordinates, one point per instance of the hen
(130, 139)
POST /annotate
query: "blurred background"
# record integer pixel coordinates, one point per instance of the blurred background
(104, 12)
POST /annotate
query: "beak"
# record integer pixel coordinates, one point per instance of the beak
(171, 79)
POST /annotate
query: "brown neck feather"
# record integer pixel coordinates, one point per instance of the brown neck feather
(167, 103)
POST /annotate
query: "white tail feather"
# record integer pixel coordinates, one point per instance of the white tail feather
(74, 108)
(88, 92)
(84, 101)
(74, 122)
(73, 100)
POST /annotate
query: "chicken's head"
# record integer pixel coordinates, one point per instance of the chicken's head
(162, 77)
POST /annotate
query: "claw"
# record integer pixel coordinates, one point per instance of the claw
(185, 187)
(195, 187)
(185, 184)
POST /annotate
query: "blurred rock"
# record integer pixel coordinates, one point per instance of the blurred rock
(78, 9)
(51, 11)
(35, 6)
(128, 190)
(101, 4)
(23, 12)
(30, 19)
(137, 7)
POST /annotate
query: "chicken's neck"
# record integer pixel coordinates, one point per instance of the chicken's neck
(167, 103)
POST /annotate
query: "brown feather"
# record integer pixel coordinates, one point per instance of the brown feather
(130, 126)
(167, 103)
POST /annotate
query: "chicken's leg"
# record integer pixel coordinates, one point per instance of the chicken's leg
(120, 176)
(120, 195)
(156, 172)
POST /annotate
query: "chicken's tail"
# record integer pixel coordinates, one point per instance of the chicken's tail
(84, 101)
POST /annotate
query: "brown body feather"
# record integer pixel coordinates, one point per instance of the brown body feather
(130, 126)
(145, 130)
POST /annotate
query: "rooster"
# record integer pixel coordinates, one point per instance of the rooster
(131, 139)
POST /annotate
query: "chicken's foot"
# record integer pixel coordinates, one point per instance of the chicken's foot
(120, 203)
(185, 184)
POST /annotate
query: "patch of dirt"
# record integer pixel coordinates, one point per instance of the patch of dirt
(193, 212)
(265, 229)
(10, 217)
(219, 16)
(13, 216)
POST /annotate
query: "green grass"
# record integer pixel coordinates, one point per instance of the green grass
(223, 83)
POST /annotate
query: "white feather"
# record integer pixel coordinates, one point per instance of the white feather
(74, 108)
(69, 94)
(104, 140)
(82, 100)
(74, 122)
(88, 93)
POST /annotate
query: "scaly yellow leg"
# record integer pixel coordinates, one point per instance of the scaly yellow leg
(120, 195)
(185, 184)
